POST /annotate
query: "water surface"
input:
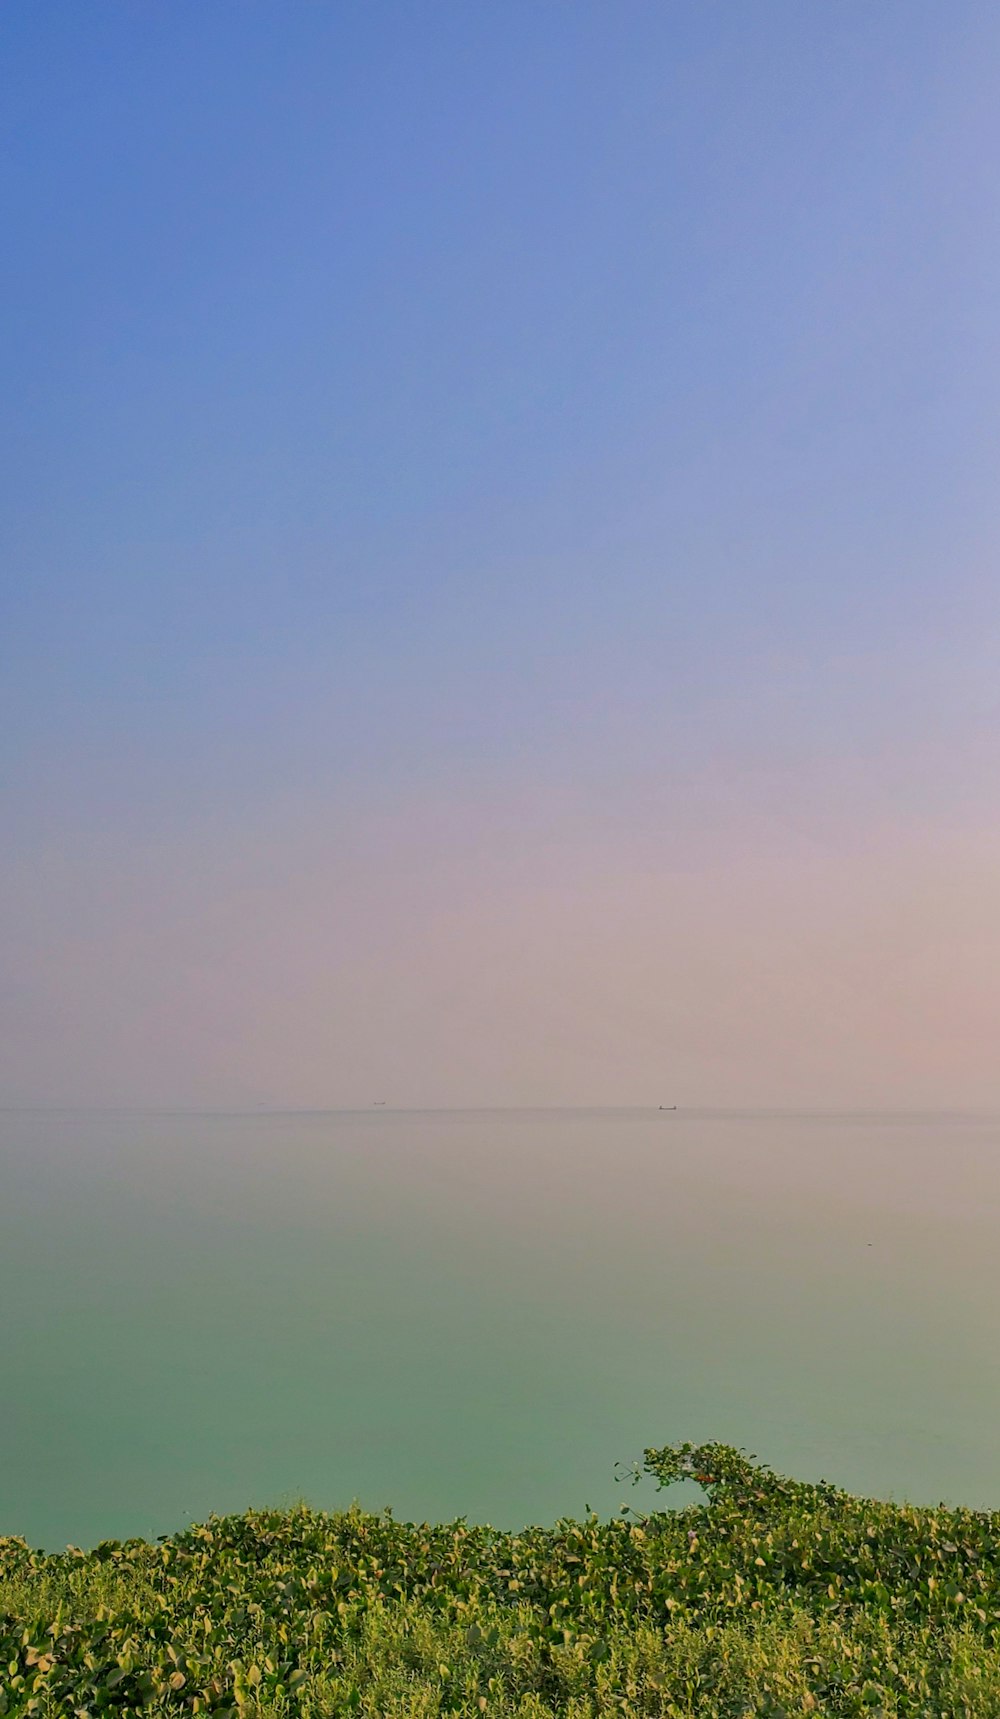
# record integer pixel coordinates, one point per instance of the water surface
(481, 1312)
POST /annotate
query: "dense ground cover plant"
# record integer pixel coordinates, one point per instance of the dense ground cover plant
(769, 1598)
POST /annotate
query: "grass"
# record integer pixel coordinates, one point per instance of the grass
(769, 1598)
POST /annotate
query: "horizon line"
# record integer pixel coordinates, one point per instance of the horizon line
(688, 1110)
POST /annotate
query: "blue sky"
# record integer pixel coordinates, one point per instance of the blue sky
(449, 452)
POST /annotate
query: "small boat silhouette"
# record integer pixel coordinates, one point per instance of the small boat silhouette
(668, 1107)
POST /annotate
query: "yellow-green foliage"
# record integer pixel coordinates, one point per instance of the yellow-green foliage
(771, 1598)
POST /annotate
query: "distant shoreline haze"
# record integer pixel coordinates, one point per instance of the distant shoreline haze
(484, 1310)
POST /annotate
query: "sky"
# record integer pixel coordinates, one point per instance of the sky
(498, 553)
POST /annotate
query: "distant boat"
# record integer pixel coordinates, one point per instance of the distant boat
(378, 1101)
(668, 1107)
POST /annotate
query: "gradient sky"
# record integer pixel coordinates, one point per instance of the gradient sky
(499, 553)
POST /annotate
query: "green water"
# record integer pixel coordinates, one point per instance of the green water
(481, 1312)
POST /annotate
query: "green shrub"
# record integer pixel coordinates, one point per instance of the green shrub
(770, 1598)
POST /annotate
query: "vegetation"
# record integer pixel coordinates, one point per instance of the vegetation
(768, 1598)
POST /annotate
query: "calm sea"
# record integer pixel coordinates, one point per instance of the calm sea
(481, 1312)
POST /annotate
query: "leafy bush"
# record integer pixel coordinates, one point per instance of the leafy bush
(770, 1598)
